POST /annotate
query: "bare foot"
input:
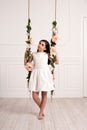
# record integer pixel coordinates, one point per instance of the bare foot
(43, 115)
(40, 117)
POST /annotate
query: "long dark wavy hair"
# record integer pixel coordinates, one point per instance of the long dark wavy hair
(47, 44)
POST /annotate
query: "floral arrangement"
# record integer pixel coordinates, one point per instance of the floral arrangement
(54, 41)
(28, 53)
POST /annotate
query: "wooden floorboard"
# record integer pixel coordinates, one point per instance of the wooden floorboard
(60, 114)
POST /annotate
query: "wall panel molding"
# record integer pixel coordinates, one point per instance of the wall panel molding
(66, 80)
(64, 22)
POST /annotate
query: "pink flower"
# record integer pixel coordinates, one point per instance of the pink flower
(53, 50)
(29, 66)
(31, 40)
(55, 38)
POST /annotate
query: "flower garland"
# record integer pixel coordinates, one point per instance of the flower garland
(54, 41)
(28, 53)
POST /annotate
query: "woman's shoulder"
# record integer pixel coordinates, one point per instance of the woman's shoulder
(34, 52)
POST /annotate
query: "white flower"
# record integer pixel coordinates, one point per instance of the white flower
(54, 31)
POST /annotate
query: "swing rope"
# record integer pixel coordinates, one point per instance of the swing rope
(28, 9)
(55, 8)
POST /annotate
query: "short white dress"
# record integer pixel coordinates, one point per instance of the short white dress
(41, 77)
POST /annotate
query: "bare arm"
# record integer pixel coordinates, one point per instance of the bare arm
(57, 59)
(25, 60)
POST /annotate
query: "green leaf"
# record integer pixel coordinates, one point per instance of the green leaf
(54, 23)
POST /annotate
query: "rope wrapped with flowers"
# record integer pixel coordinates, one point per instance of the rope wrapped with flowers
(28, 53)
(53, 52)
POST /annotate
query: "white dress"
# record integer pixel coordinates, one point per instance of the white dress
(41, 77)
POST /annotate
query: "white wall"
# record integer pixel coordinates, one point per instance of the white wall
(13, 20)
(85, 56)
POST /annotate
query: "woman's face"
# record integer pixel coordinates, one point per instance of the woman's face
(41, 46)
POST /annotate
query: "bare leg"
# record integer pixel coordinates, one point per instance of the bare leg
(42, 105)
(36, 98)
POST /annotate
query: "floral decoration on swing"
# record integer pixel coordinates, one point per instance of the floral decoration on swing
(28, 53)
(54, 41)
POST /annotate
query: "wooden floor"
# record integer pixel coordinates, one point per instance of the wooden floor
(60, 114)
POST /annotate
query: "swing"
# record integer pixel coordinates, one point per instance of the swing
(53, 41)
